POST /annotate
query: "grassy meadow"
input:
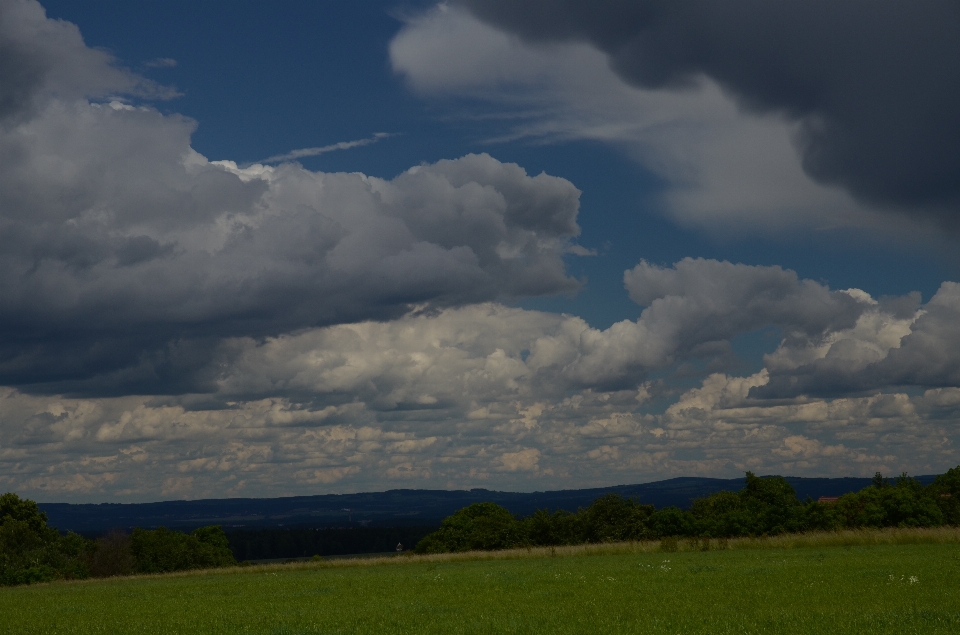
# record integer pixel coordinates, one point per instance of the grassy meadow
(850, 582)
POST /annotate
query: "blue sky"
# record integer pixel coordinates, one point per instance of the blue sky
(182, 326)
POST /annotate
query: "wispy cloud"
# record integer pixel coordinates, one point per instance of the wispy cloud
(161, 62)
(312, 152)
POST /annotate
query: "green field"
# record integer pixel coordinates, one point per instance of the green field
(912, 588)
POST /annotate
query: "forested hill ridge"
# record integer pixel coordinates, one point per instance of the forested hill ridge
(398, 507)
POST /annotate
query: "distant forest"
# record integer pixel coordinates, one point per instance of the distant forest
(298, 542)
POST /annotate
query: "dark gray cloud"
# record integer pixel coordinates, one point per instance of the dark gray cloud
(872, 84)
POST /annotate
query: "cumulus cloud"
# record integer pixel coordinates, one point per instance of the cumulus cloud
(898, 342)
(471, 359)
(446, 400)
(509, 398)
(723, 167)
(692, 311)
(126, 255)
(870, 85)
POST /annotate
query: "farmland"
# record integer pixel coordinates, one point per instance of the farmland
(853, 582)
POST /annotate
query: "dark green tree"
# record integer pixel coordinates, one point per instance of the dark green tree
(905, 503)
(945, 490)
(670, 521)
(613, 518)
(773, 505)
(481, 526)
(546, 530)
(161, 550)
(31, 551)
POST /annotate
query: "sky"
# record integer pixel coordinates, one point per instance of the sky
(331, 247)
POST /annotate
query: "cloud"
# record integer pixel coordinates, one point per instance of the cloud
(451, 399)
(193, 250)
(126, 255)
(161, 62)
(692, 311)
(870, 86)
(175, 326)
(312, 152)
(896, 343)
(723, 168)
(42, 59)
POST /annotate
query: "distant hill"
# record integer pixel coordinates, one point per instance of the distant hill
(401, 507)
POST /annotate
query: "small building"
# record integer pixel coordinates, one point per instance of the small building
(828, 500)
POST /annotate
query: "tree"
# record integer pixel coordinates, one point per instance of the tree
(946, 492)
(669, 521)
(544, 529)
(30, 551)
(161, 550)
(481, 526)
(773, 504)
(613, 518)
(903, 504)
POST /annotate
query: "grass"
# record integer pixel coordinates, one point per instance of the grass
(894, 581)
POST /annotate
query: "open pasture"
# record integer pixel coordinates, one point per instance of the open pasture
(628, 588)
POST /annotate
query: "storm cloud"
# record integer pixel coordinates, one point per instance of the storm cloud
(871, 84)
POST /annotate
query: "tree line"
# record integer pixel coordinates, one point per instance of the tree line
(31, 551)
(297, 542)
(766, 506)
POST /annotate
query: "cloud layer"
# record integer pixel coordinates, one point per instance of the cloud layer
(172, 326)
(494, 396)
